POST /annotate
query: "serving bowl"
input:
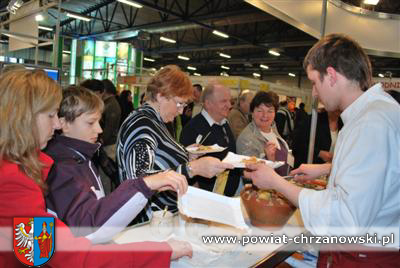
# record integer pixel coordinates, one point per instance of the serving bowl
(266, 208)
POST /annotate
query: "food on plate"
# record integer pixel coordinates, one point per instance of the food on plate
(316, 184)
(251, 160)
(204, 148)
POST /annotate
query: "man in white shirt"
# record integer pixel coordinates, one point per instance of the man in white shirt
(363, 192)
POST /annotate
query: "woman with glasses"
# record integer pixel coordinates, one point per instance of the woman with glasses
(260, 138)
(145, 146)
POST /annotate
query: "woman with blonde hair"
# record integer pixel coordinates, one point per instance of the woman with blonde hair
(145, 146)
(29, 102)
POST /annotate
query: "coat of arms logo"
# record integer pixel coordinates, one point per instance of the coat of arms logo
(34, 240)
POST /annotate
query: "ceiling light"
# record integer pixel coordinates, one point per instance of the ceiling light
(169, 40)
(273, 52)
(183, 57)
(76, 16)
(13, 6)
(149, 59)
(292, 75)
(220, 34)
(381, 75)
(264, 66)
(225, 67)
(224, 74)
(45, 28)
(39, 17)
(256, 74)
(225, 55)
(131, 3)
(371, 2)
(66, 52)
(196, 74)
(192, 68)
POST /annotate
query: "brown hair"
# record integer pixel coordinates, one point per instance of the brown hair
(344, 55)
(78, 100)
(23, 95)
(170, 81)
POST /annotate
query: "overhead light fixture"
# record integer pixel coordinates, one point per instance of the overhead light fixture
(13, 6)
(381, 75)
(225, 67)
(256, 74)
(131, 3)
(224, 55)
(45, 28)
(292, 75)
(224, 74)
(149, 59)
(192, 68)
(66, 52)
(76, 16)
(220, 34)
(196, 74)
(371, 2)
(273, 52)
(39, 17)
(264, 66)
(183, 57)
(169, 40)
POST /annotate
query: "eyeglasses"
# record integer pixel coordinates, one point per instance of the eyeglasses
(179, 105)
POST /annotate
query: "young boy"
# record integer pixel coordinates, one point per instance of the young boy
(75, 193)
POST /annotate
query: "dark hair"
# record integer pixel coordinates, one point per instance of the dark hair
(344, 55)
(302, 105)
(198, 87)
(109, 87)
(266, 98)
(93, 85)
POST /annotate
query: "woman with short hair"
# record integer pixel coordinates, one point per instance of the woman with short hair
(145, 146)
(260, 138)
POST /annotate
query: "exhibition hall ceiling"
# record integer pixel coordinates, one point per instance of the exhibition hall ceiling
(190, 23)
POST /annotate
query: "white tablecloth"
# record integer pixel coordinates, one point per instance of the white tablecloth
(221, 255)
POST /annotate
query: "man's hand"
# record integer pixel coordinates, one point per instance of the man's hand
(325, 155)
(263, 176)
(311, 171)
(167, 180)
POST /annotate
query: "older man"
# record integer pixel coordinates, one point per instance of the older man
(238, 118)
(211, 127)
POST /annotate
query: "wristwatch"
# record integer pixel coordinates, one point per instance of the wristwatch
(189, 169)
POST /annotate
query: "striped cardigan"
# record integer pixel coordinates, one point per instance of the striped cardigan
(145, 147)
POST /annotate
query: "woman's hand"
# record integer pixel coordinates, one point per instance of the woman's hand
(270, 150)
(196, 155)
(311, 171)
(167, 180)
(209, 166)
(180, 249)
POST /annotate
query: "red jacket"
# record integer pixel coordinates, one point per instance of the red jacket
(20, 196)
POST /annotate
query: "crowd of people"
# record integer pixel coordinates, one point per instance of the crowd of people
(51, 142)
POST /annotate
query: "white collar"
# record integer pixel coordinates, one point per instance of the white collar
(356, 106)
(211, 121)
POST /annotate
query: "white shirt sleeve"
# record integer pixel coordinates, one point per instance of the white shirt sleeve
(362, 185)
